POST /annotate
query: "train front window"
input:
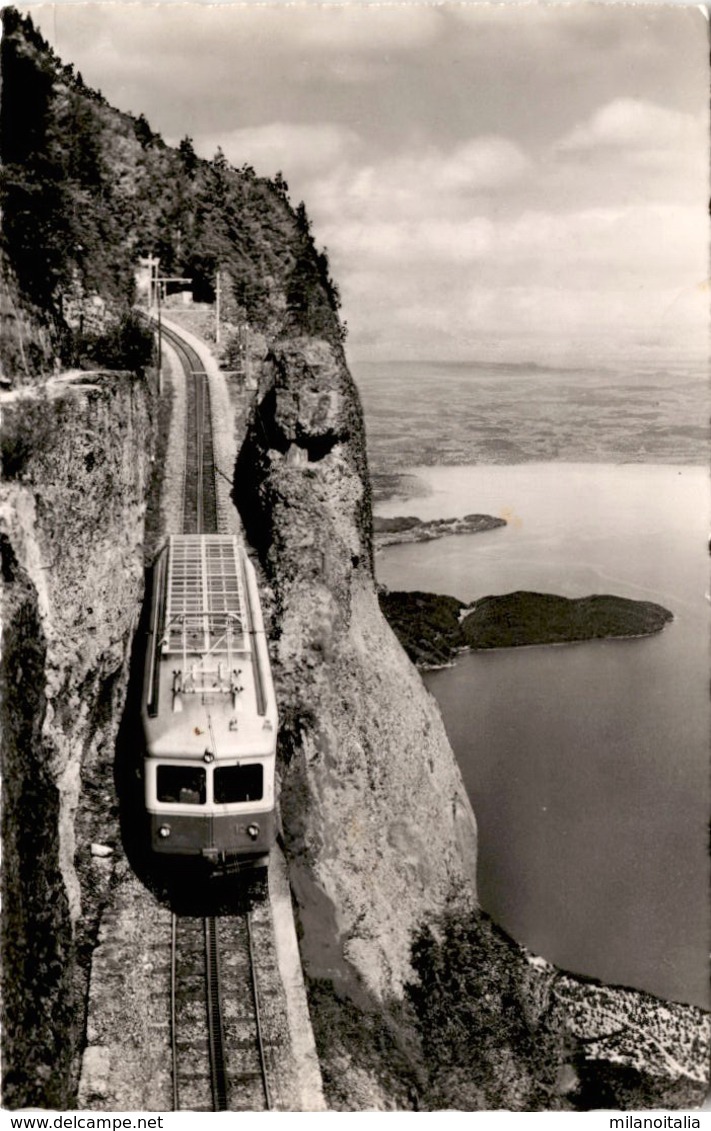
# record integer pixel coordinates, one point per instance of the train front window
(182, 785)
(238, 783)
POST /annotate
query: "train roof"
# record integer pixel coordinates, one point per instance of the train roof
(205, 598)
(208, 682)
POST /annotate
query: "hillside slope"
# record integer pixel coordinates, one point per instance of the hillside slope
(87, 189)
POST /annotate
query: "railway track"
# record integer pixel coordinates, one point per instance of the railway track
(199, 491)
(218, 1056)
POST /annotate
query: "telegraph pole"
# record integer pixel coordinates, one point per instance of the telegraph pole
(154, 305)
(217, 309)
(160, 336)
(161, 281)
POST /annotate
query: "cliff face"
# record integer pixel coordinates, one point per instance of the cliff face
(71, 529)
(378, 827)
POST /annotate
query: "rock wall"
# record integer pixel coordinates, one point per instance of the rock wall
(71, 531)
(377, 824)
(25, 345)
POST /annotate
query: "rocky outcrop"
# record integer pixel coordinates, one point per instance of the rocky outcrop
(71, 525)
(377, 824)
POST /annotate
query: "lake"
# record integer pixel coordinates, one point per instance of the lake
(587, 764)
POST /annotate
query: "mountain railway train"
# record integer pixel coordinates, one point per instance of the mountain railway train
(208, 710)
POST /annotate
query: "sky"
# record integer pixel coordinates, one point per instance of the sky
(491, 182)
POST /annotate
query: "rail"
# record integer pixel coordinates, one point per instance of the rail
(257, 1017)
(173, 1011)
(216, 1033)
(201, 1043)
(199, 492)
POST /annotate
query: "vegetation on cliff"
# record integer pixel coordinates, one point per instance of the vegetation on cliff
(501, 1029)
(433, 628)
(87, 190)
(484, 1046)
(427, 625)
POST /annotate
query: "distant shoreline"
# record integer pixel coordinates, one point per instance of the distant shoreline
(410, 483)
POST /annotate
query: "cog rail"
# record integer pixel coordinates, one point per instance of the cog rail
(218, 1056)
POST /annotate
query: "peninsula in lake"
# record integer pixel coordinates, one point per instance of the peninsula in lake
(408, 528)
(433, 628)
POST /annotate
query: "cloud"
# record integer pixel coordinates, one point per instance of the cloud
(370, 28)
(608, 319)
(628, 123)
(488, 173)
(529, 322)
(607, 277)
(414, 241)
(639, 247)
(426, 184)
(292, 147)
(631, 247)
(482, 241)
(482, 163)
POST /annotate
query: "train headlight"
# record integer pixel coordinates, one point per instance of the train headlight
(253, 831)
(164, 831)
